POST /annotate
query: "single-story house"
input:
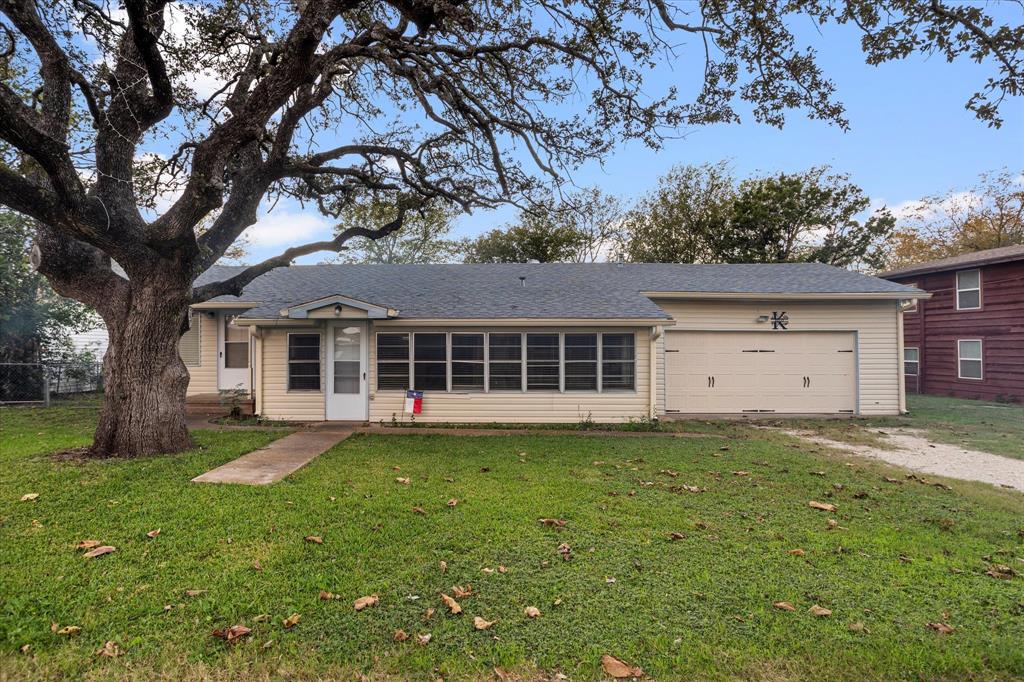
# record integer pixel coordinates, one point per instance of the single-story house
(967, 339)
(552, 342)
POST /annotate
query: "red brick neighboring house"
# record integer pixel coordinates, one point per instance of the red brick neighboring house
(967, 340)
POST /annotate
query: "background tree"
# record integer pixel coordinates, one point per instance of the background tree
(986, 216)
(35, 323)
(101, 113)
(681, 220)
(809, 216)
(534, 239)
(422, 239)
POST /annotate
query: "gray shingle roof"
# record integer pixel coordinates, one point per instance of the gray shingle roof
(549, 290)
(964, 260)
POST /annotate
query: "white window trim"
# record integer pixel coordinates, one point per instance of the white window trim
(288, 362)
(977, 288)
(916, 362)
(522, 361)
(980, 359)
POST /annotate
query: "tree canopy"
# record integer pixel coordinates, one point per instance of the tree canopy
(422, 239)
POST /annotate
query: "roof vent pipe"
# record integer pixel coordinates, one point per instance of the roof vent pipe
(522, 280)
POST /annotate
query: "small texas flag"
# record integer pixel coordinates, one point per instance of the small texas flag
(414, 402)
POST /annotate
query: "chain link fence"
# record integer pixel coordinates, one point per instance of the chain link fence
(53, 383)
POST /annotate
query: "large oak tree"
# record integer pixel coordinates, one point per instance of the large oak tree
(111, 146)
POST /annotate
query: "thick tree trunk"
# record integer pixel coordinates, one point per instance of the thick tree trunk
(144, 377)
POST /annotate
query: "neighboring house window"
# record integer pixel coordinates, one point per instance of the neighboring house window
(304, 362)
(236, 344)
(581, 362)
(392, 362)
(430, 371)
(191, 343)
(968, 290)
(911, 362)
(542, 362)
(618, 366)
(467, 362)
(911, 306)
(505, 357)
(969, 358)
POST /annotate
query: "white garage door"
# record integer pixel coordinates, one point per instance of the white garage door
(782, 372)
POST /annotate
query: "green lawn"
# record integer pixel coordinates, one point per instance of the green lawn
(700, 607)
(978, 425)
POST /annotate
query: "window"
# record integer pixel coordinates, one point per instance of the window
(505, 358)
(430, 352)
(348, 360)
(542, 362)
(969, 359)
(236, 344)
(581, 362)
(467, 362)
(392, 362)
(304, 362)
(910, 361)
(968, 290)
(618, 362)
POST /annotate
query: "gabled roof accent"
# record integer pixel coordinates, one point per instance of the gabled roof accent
(300, 311)
(1003, 254)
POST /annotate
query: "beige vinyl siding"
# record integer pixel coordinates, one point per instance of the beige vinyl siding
(276, 401)
(874, 322)
(517, 406)
(203, 376)
(188, 344)
(659, 375)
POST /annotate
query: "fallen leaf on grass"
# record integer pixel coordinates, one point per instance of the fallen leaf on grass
(232, 633)
(1001, 571)
(832, 524)
(29, 497)
(444, 566)
(858, 627)
(153, 533)
(262, 618)
(565, 551)
(363, 602)
(462, 592)
(315, 539)
(487, 571)
(88, 544)
(99, 551)
(819, 611)
(619, 669)
(692, 488)
(292, 620)
(418, 510)
(194, 593)
(531, 612)
(676, 536)
(328, 596)
(797, 552)
(942, 628)
(109, 649)
(824, 506)
(784, 606)
(403, 481)
(68, 630)
(429, 613)
(502, 569)
(552, 522)
(893, 480)
(452, 605)
(452, 502)
(481, 624)
(400, 635)
(424, 639)
(741, 473)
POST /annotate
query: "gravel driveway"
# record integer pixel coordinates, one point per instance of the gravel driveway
(913, 451)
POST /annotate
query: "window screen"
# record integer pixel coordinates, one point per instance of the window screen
(542, 362)
(618, 362)
(581, 362)
(506, 362)
(467, 362)
(304, 362)
(392, 362)
(236, 344)
(431, 357)
(911, 362)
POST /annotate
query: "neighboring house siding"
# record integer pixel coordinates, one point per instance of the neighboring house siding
(875, 324)
(513, 406)
(276, 401)
(203, 374)
(937, 325)
(94, 340)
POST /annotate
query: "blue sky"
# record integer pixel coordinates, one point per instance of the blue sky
(909, 136)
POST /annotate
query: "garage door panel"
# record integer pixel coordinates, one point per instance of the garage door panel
(734, 372)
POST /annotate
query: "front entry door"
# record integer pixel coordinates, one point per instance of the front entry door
(346, 371)
(232, 354)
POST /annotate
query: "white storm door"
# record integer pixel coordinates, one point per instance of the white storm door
(346, 371)
(232, 354)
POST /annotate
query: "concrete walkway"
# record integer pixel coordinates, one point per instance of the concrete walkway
(278, 459)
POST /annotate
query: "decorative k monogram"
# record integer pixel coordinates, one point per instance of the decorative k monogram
(780, 320)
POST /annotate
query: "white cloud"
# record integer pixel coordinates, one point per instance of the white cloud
(288, 228)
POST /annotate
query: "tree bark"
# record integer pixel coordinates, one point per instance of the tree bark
(144, 377)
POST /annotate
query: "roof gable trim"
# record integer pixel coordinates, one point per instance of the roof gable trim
(373, 311)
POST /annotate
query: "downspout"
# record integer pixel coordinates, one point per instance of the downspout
(652, 407)
(899, 358)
